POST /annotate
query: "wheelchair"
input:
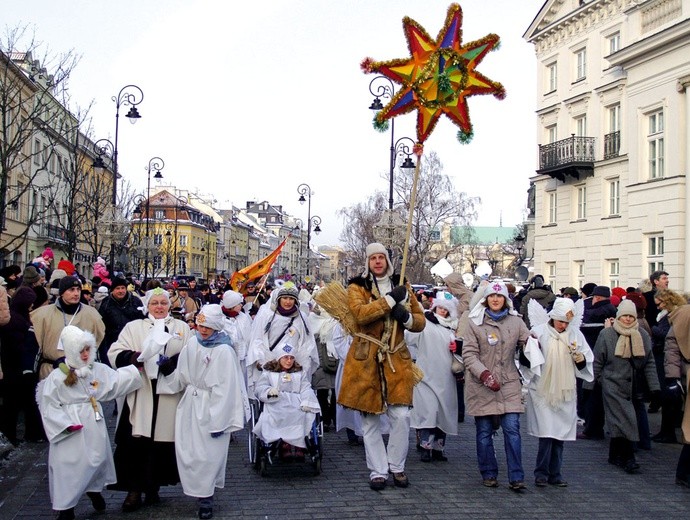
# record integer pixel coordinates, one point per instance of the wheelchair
(262, 455)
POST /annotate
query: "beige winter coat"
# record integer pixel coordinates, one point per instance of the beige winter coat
(141, 402)
(49, 321)
(499, 358)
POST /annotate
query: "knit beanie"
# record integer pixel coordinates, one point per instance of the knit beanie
(626, 308)
(563, 310)
(118, 282)
(211, 316)
(31, 275)
(67, 283)
(232, 299)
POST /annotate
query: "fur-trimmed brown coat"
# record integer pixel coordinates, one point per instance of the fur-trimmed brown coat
(369, 384)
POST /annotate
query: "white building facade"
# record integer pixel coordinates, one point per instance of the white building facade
(610, 198)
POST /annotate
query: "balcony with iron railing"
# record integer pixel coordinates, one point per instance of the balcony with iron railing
(571, 157)
(52, 232)
(612, 145)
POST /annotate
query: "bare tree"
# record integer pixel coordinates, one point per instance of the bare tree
(437, 202)
(28, 109)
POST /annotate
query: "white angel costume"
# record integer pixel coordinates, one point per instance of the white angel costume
(290, 404)
(551, 406)
(80, 459)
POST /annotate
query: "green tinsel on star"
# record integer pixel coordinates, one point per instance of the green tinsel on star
(444, 84)
(465, 137)
(380, 126)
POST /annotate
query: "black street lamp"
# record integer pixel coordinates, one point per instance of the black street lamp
(155, 163)
(384, 89)
(129, 95)
(305, 189)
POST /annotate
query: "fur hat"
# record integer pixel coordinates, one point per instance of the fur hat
(73, 341)
(588, 288)
(376, 248)
(211, 316)
(563, 310)
(446, 301)
(118, 282)
(602, 290)
(637, 299)
(67, 283)
(31, 275)
(48, 253)
(626, 308)
(232, 299)
(67, 266)
(58, 274)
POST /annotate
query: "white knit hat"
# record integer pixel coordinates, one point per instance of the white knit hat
(74, 340)
(447, 301)
(375, 248)
(563, 310)
(210, 316)
(497, 288)
(285, 350)
(232, 299)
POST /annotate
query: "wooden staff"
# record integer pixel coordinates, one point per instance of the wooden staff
(406, 246)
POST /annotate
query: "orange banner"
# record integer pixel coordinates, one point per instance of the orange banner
(240, 278)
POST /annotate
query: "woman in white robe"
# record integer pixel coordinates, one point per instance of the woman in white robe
(551, 405)
(212, 407)
(278, 324)
(435, 398)
(290, 404)
(80, 459)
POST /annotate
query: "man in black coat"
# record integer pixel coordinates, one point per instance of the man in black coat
(659, 281)
(117, 310)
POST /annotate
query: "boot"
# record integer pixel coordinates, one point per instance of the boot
(66, 514)
(438, 455)
(132, 502)
(97, 500)
(426, 456)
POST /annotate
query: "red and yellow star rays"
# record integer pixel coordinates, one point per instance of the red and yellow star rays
(438, 77)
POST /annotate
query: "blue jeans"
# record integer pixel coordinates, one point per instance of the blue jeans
(549, 460)
(486, 456)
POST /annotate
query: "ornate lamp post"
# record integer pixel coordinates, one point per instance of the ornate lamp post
(129, 95)
(155, 163)
(315, 221)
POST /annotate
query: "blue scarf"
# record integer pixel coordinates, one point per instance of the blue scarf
(497, 316)
(217, 338)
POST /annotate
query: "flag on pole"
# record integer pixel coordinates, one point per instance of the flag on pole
(255, 271)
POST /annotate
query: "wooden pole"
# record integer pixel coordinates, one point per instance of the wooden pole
(408, 232)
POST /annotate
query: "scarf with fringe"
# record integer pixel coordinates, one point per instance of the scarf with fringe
(629, 342)
(557, 384)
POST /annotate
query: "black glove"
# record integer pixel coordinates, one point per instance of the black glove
(400, 314)
(398, 294)
(675, 387)
(168, 365)
(133, 359)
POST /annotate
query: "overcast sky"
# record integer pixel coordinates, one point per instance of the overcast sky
(247, 100)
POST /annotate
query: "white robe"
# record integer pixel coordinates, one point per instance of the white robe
(559, 422)
(213, 401)
(435, 398)
(290, 415)
(80, 461)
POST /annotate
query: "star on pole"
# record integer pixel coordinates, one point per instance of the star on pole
(438, 77)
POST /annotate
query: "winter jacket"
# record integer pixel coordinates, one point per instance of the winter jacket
(370, 383)
(4, 307)
(509, 334)
(116, 314)
(543, 296)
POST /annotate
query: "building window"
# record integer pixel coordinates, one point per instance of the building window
(612, 140)
(553, 207)
(581, 202)
(655, 140)
(581, 126)
(157, 262)
(579, 271)
(614, 272)
(552, 134)
(183, 240)
(37, 152)
(614, 197)
(551, 273)
(159, 214)
(158, 239)
(655, 253)
(580, 64)
(552, 75)
(614, 42)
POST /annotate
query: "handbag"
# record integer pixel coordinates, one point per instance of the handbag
(456, 364)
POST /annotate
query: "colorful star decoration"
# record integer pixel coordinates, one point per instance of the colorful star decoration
(438, 77)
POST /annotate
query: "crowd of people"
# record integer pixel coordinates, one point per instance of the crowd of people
(184, 364)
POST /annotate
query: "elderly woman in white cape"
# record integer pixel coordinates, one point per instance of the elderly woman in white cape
(213, 406)
(145, 434)
(551, 407)
(435, 398)
(80, 459)
(290, 404)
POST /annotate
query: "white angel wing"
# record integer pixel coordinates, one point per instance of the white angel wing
(537, 314)
(579, 314)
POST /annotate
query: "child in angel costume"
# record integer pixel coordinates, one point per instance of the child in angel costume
(80, 459)
(290, 404)
(551, 406)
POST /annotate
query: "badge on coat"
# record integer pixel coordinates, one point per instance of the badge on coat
(492, 338)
